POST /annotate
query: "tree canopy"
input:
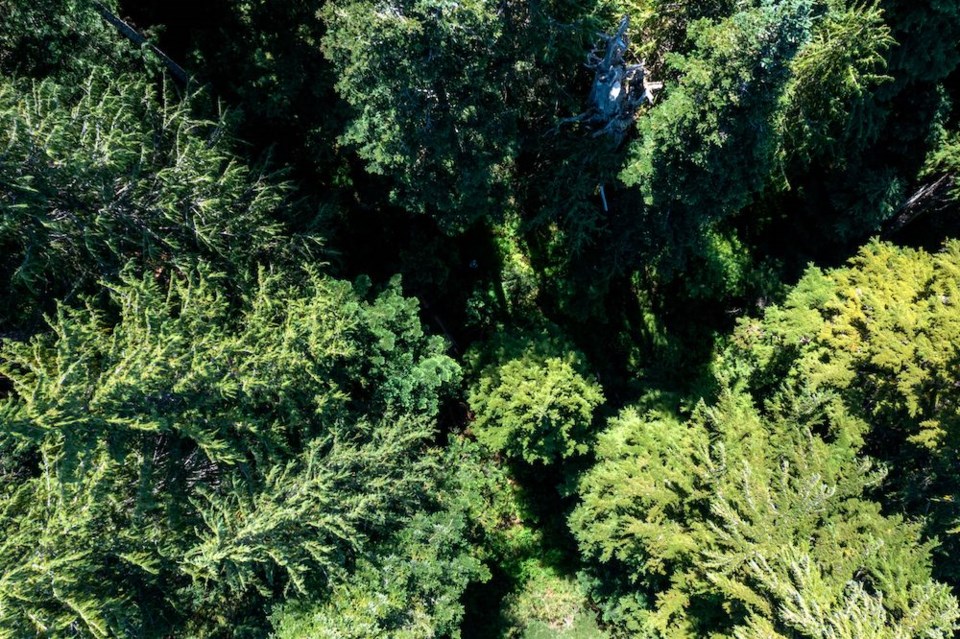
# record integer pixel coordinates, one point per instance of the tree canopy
(351, 318)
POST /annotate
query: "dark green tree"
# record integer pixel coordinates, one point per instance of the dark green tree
(263, 58)
(831, 110)
(709, 147)
(63, 38)
(427, 81)
(97, 174)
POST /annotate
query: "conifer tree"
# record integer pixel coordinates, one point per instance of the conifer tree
(737, 525)
(708, 148)
(105, 172)
(175, 471)
(66, 39)
(831, 111)
(427, 89)
(412, 585)
(876, 344)
(532, 398)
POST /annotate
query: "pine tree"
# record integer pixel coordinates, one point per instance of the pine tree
(830, 110)
(412, 586)
(427, 89)
(532, 398)
(66, 39)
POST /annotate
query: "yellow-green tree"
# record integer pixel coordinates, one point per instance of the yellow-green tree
(734, 524)
(533, 401)
(179, 468)
(874, 346)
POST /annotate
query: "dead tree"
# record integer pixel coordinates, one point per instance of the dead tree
(618, 88)
(933, 197)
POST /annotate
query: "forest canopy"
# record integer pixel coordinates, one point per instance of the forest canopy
(417, 319)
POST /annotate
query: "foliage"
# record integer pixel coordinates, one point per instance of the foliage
(661, 26)
(944, 160)
(920, 59)
(743, 525)
(877, 342)
(94, 175)
(708, 148)
(830, 101)
(210, 436)
(66, 38)
(262, 58)
(413, 587)
(852, 158)
(550, 605)
(536, 406)
(427, 106)
(234, 456)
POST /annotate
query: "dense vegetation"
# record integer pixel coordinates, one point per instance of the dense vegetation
(355, 318)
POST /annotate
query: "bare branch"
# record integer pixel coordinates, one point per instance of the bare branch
(138, 39)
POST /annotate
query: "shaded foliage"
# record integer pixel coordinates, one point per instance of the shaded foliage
(96, 174)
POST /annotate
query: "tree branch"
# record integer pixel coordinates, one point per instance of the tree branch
(932, 196)
(138, 39)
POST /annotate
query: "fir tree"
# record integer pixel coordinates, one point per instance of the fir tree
(95, 175)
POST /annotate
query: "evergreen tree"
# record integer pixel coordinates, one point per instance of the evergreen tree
(831, 111)
(101, 173)
(708, 148)
(63, 38)
(537, 411)
(876, 342)
(263, 58)
(413, 586)
(857, 137)
(533, 401)
(210, 437)
(737, 525)
(175, 471)
(427, 84)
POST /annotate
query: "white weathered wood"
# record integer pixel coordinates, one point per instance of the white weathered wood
(618, 88)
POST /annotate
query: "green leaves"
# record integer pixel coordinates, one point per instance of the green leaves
(96, 175)
(830, 100)
(63, 38)
(229, 453)
(708, 148)
(412, 585)
(535, 408)
(215, 438)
